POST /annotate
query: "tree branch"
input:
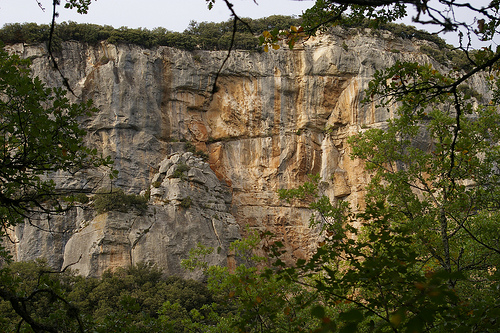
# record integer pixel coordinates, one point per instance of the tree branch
(56, 3)
(236, 19)
(17, 305)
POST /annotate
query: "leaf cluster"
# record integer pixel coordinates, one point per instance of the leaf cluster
(257, 299)
(39, 134)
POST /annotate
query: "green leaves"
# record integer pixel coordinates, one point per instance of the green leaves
(326, 13)
(273, 38)
(434, 170)
(210, 4)
(39, 134)
(82, 6)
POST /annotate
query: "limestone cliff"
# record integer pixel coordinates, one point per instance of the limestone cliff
(275, 118)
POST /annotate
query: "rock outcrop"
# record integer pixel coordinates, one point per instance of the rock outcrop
(188, 205)
(275, 118)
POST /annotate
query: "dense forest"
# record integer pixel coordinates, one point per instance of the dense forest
(141, 298)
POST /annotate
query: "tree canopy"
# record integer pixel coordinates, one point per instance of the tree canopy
(197, 36)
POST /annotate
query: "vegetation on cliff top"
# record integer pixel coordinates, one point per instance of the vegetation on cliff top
(199, 35)
(214, 36)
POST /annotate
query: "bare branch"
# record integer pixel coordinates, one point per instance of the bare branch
(236, 19)
(40, 5)
(55, 14)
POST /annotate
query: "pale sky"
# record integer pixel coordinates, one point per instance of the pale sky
(173, 15)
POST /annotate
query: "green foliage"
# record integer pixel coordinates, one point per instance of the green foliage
(134, 296)
(435, 183)
(179, 170)
(82, 6)
(39, 133)
(380, 278)
(255, 299)
(38, 290)
(441, 193)
(203, 35)
(186, 202)
(117, 200)
(24, 33)
(126, 300)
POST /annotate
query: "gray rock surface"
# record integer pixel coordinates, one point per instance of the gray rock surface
(275, 118)
(184, 211)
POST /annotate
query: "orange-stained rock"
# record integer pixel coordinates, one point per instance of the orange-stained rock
(276, 118)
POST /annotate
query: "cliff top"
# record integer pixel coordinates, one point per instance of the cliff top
(204, 35)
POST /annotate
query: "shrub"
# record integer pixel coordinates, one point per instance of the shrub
(115, 199)
(179, 171)
(186, 202)
(80, 197)
(191, 148)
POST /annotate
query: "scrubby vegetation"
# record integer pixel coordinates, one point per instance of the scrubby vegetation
(192, 148)
(199, 35)
(207, 35)
(186, 202)
(180, 170)
(106, 200)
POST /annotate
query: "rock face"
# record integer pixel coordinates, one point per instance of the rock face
(188, 206)
(275, 118)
